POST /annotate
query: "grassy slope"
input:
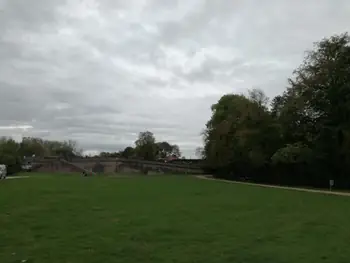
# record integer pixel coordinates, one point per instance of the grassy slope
(170, 219)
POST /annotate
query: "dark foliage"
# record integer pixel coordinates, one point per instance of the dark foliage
(303, 139)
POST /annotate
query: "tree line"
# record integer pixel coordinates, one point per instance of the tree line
(147, 148)
(13, 153)
(301, 138)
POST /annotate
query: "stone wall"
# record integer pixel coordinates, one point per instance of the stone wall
(60, 166)
(113, 165)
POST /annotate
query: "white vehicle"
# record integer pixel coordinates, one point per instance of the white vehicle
(3, 171)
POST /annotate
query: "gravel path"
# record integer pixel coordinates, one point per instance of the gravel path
(17, 177)
(279, 187)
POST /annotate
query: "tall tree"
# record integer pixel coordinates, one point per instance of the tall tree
(240, 132)
(200, 152)
(128, 152)
(33, 146)
(39, 147)
(165, 150)
(259, 97)
(304, 138)
(146, 146)
(175, 151)
(315, 109)
(10, 154)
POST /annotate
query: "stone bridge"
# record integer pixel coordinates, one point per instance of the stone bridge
(113, 165)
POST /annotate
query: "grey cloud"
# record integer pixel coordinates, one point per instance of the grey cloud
(99, 71)
(18, 13)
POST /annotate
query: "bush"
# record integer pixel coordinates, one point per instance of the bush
(13, 169)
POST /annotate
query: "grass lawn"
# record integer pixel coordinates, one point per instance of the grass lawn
(65, 218)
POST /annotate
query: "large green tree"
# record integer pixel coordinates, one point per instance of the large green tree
(146, 146)
(165, 149)
(241, 132)
(315, 109)
(304, 137)
(10, 154)
(39, 147)
(128, 152)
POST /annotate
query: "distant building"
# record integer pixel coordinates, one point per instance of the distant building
(171, 158)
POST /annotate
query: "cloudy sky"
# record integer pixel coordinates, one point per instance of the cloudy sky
(100, 71)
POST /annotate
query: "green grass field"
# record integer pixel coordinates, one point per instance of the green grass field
(66, 218)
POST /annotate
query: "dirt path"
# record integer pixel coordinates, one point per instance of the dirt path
(278, 187)
(17, 177)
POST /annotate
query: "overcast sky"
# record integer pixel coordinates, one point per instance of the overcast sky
(101, 71)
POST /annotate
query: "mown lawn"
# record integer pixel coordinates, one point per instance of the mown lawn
(65, 218)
